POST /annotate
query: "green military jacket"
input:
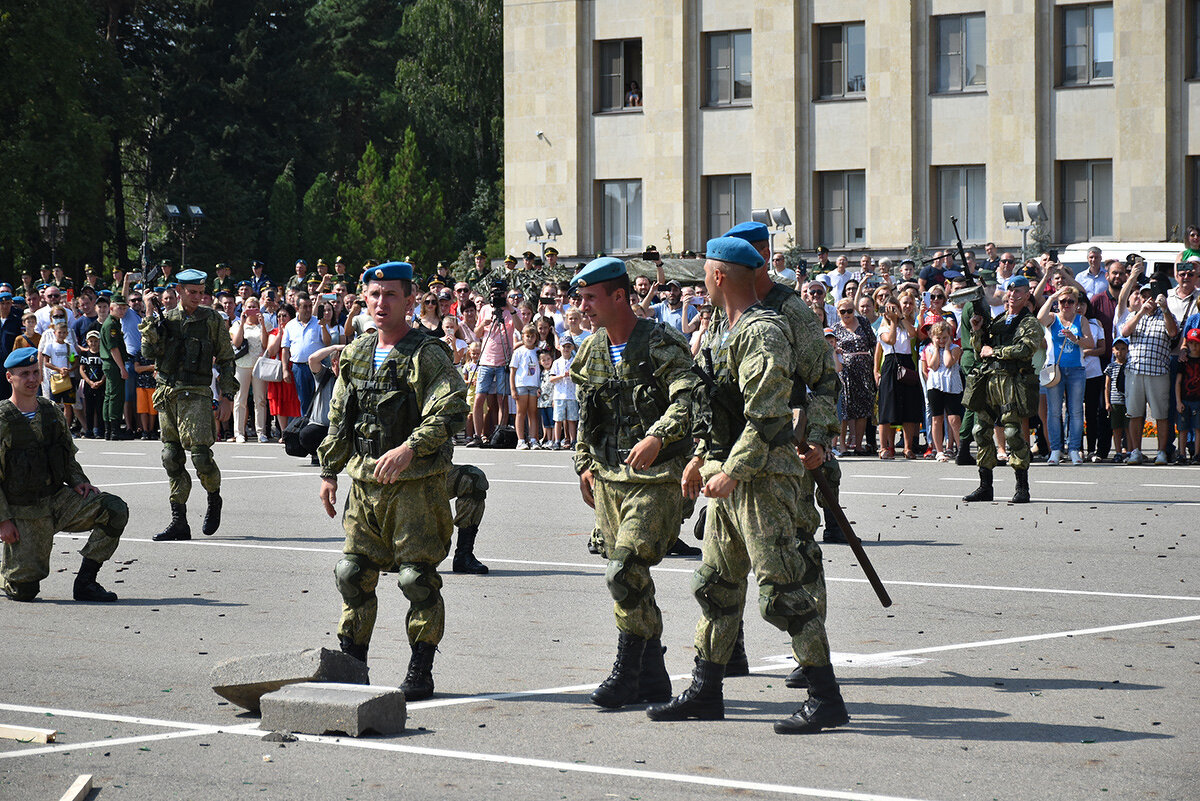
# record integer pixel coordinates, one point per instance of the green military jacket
(50, 427)
(671, 363)
(182, 338)
(112, 338)
(420, 372)
(1013, 344)
(756, 353)
(227, 283)
(296, 282)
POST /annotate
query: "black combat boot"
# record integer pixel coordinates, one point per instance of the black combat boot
(22, 590)
(702, 700)
(701, 519)
(984, 491)
(212, 517)
(1022, 493)
(115, 432)
(86, 586)
(654, 683)
(349, 648)
(824, 708)
(418, 682)
(178, 529)
(738, 664)
(833, 530)
(464, 553)
(964, 458)
(621, 686)
(797, 679)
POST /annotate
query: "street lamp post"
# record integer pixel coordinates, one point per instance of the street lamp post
(185, 229)
(54, 228)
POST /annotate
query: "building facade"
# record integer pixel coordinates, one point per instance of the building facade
(871, 121)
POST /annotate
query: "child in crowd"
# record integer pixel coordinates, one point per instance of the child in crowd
(545, 402)
(944, 386)
(145, 382)
(1187, 397)
(58, 357)
(468, 370)
(525, 381)
(566, 404)
(1114, 399)
(29, 337)
(91, 370)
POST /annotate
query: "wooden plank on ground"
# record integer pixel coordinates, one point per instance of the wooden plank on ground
(80, 789)
(27, 734)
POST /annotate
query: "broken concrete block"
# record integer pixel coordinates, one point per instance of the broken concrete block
(244, 680)
(328, 708)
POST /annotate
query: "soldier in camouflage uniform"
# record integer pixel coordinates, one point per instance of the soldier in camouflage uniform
(752, 476)
(43, 490)
(636, 391)
(184, 343)
(1003, 388)
(223, 282)
(468, 486)
(397, 403)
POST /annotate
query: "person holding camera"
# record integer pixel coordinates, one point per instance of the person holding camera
(494, 331)
(301, 337)
(1151, 329)
(1182, 303)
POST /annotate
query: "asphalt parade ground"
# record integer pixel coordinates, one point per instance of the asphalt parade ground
(1042, 651)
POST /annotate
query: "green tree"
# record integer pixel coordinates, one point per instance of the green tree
(318, 220)
(284, 219)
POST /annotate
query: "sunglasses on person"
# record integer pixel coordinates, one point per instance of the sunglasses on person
(937, 296)
(1007, 261)
(817, 293)
(1067, 302)
(846, 312)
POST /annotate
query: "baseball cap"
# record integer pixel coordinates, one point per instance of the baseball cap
(1193, 335)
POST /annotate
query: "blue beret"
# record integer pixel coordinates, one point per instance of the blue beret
(733, 250)
(598, 271)
(1016, 282)
(5, 296)
(104, 293)
(749, 231)
(950, 275)
(21, 357)
(192, 277)
(19, 300)
(390, 271)
(241, 284)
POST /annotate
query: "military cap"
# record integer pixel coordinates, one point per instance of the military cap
(749, 231)
(369, 263)
(479, 254)
(551, 251)
(734, 251)
(174, 285)
(1016, 282)
(510, 259)
(822, 249)
(168, 263)
(89, 270)
(339, 260)
(26, 271)
(6, 296)
(21, 357)
(441, 265)
(118, 298)
(256, 265)
(321, 263)
(313, 279)
(598, 271)
(241, 284)
(192, 277)
(527, 254)
(222, 265)
(391, 271)
(105, 294)
(40, 285)
(223, 293)
(1029, 271)
(688, 254)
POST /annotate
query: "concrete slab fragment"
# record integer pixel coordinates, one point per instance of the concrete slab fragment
(330, 708)
(244, 680)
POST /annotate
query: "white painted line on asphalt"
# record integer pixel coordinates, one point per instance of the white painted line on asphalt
(555, 466)
(211, 544)
(73, 713)
(255, 457)
(1043, 590)
(959, 478)
(528, 481)
(872, 475)
(145, 738)
(1174, 486)
(123, 453)
(160, 468)
(223, 478)
(1069, 483)
(1000, 501)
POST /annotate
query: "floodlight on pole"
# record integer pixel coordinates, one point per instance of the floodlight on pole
(1014, 217)
(184, 228)
(551, 233)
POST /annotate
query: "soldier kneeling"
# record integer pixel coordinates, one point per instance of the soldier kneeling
(43, 490)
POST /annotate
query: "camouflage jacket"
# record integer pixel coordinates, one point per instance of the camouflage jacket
(50, 426)
(1013, 344)
(671, 363)
(418, 371)
(185, 348)
(756, 354)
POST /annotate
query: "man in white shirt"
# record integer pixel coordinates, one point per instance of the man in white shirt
(52, 296)
(301, 338)
(836, 281)
(1093, 279)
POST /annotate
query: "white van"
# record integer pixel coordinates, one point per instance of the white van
(1156, 254)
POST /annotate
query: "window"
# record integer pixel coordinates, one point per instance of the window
(619, 75)
(728, 202)
(961, 55)
(842, 208)
(1195, 39)
(729, 75)
(1087, 200)
(622, 217)
(1087, 44)
(841, 60)
(960, 193)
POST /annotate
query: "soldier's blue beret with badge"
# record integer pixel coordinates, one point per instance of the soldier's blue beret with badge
(749, 231)
(21, 357)
(192, 277)
(1016, 282)
(733, 250)
(6, 296)
(389, 271)
(599, 270)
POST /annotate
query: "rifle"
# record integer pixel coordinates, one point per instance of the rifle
(800, 434)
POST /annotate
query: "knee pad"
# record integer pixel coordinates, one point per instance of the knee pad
(202, 459)
(469, 482)
(420, 585)
(117, 514)
(787, 607)
(347, 574)
(706, 586)
(173, 457)
(617, 578)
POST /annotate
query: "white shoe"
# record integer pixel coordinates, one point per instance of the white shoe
(1161, 458)
(1076, 457)
(522, 446)
(239, 439)
(263, 438)
(1055, 457)
(1135, 457)
(942, 457)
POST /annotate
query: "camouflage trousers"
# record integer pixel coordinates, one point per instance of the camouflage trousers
(640, 523)
(985, 441)
(755, 528)
(468, 486)
(185, 417)
(403, 527)
(28, 560)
